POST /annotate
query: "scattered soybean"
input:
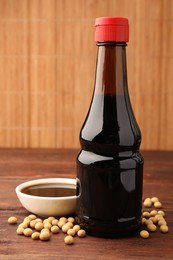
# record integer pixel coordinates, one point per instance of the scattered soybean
(65, 228)
(47, 225)
(35, 235)
(32, 216)
(153, 218)
(69, 240)
(71, 232)
(44, 236)
(81, 233)
(20, 231)
(55, 229)
(39, 226)
(12, 220)
(151, 227)
(147, 202)
(55, 222)
(27, 232)
(144, 234)
(76, 228)
(44, 228)
(158, 205)
(71, 219)
(164, 228)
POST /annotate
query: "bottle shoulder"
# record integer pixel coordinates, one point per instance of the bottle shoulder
(110, 125)
(125, 160)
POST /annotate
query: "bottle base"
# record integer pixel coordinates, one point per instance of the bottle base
(108, 230)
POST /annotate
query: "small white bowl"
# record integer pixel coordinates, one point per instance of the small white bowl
(48, 206)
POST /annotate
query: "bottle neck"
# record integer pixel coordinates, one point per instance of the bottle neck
(110, 125)
(111, 73)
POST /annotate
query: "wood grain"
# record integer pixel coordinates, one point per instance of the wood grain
(47, 69)
(19, 165)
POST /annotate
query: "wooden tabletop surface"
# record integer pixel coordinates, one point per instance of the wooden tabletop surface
(20, 165)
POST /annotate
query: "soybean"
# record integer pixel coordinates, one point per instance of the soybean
(20, 230)
(47, 225)
(63, 219)
(27, 222)
(153, 213)
(27, 232)
(162, 222)
(55, 222)
(81, 233)
(70, 219)
(35, 235)
(143, 221)
(32, 216)
(69, 240)
(146, 214)
(44, 236)
(164, 228)
(33, 223)
(161, 212)
(50, 219)
(76, 228)
(151, 227)
(147, 203)
(158, 204)
(55, 229)
(12, 220)
(71, 232)
(46, 220)
(65, 228)
(39, 226)
(144, 234)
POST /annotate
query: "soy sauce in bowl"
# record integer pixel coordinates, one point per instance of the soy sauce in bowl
(50, 190)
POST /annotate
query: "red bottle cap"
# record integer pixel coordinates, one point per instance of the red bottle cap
(111, 29)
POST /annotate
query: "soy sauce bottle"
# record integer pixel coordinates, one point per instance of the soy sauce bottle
(110, 165)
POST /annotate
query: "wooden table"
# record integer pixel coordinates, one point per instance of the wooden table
(19, 165)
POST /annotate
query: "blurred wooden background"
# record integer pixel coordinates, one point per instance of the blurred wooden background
(47, 69)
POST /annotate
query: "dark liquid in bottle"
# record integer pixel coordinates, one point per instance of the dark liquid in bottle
(109, 169)
(50, 190)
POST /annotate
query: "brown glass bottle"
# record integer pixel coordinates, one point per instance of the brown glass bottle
(109, 165)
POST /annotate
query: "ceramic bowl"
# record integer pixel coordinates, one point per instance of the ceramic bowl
(45, 205)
